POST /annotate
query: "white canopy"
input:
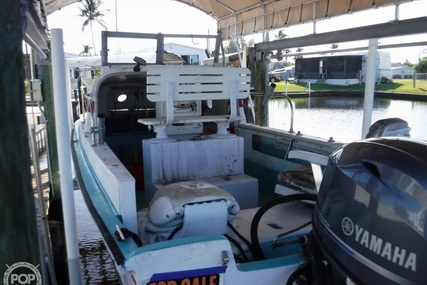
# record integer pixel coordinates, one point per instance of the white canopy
(240, 18)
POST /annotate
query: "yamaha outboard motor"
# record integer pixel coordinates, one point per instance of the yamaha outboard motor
(370, 219)
(390, 127)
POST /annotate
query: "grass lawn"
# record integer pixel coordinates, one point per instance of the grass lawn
(398, 86)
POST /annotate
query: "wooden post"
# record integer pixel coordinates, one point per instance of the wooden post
(55, 207)
(45, 71)
(260, 86)
(19, 240)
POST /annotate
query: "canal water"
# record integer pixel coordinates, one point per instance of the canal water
(340, 118)
(97, 267)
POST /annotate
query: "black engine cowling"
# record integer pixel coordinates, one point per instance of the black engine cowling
(370, 220)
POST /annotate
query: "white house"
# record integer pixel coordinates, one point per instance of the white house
(401, 70)
(191, 54)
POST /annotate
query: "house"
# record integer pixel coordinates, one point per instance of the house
(191, 54)
(341, 68)
(401, 70)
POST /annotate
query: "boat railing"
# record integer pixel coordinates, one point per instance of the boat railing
(291, 104)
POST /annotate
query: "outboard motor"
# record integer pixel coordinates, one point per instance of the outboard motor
(390, 127)
(370, 219)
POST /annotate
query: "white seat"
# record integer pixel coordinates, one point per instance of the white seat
(170, 86)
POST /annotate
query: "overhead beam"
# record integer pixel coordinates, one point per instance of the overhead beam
(36, 32)
(385, 30)
(330, 51)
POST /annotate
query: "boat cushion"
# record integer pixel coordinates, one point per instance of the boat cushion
(299, 179)
(191, 208)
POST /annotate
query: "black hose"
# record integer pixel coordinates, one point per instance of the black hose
(239, 247)
(126, 234)
(256, 247)
(240, 236)
(174, 232)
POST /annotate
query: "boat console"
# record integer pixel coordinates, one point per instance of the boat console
(181, 151)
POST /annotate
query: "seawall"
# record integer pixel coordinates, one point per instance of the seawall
(347, 93)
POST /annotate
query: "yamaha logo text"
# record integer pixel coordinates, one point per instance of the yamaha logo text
(379, 246)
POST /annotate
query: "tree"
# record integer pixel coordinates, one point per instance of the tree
(298, 50)
(231, 47)
(238, 44)
(90, 11)
(408, 63)
(86, 51)
(421, 66)
(281, 36)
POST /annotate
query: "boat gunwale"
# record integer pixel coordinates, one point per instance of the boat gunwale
(115, 247)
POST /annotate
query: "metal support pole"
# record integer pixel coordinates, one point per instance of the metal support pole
(101, 128)
(368, 102)
(64, 155)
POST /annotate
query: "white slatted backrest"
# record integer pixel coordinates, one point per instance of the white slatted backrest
(169, 84)
(188, 83)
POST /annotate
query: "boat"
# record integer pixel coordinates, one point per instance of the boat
(185, 191)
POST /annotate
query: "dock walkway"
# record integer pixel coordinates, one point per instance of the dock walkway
(96, 264)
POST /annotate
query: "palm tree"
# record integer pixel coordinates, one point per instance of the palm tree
(86, 51)
(281, 36)
(90, 11)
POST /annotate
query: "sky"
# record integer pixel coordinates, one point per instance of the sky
(166, 16)
(143, 16)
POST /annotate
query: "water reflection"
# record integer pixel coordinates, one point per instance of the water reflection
(96, 264)
(337, 102)
(341, 118)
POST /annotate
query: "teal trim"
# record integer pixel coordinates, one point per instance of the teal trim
(100, 206)
(270, 146)
(267, 178)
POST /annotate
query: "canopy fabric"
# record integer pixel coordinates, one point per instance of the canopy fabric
(55, 5)
(234, 18)
(240, 18)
